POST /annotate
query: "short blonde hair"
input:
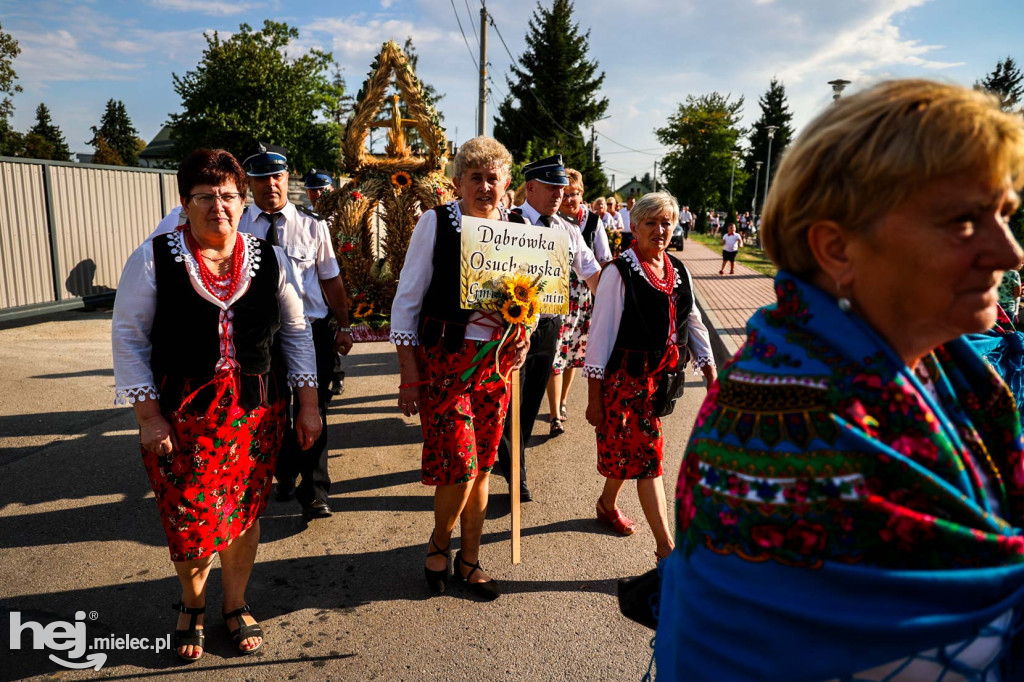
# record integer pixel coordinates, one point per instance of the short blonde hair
(482, 152)
(653, 204)
(574, 177)
(868, 153)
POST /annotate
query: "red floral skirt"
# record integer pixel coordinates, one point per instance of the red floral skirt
(462, 421)
(213, 486)
(629, 440)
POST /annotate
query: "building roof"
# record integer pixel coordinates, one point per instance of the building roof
(160, 146)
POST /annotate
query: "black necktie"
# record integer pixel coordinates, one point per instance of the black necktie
(545, 220)
(272, 230)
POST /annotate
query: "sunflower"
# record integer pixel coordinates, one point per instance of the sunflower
(363, 310)
(514, 312)
(401, 180)
(532, 308)
(520, 288)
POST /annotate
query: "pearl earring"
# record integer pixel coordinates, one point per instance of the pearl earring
(844, 303)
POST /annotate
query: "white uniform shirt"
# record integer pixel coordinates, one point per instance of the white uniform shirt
(135, 309)
(170, 222)
(610, 301)
(307, 243)
(623, 216)
(584, 263)
(686, 217)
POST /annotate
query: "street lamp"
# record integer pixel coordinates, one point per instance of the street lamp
(838, 85)
(757, 178)
(768, 171)
(732, 178)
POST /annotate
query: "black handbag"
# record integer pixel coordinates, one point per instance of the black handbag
(670, 389)
(638, 598)
(672, 381)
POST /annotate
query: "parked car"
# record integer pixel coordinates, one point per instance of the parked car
(677, 238)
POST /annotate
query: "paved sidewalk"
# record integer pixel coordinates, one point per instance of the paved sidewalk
(727, 301)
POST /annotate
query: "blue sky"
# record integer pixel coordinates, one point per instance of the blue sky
(77, 55)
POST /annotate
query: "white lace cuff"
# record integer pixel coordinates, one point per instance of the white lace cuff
(295, 380)
(405, 338)
(130, 394)
(701, 362)
(591, 372)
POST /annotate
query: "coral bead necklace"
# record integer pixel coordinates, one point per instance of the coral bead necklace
(223, 286)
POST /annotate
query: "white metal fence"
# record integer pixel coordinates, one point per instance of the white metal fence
(66, 229)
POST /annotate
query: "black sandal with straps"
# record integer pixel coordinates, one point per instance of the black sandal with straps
(437, 581)
(243, 631)
(193, 636)
(488, 590)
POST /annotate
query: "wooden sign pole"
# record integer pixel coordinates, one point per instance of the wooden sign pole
(514, 462)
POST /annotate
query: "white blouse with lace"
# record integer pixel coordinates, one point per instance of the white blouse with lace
(610, 301)
(135, 307)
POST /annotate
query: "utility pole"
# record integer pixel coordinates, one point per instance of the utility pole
(593, 143)
(481, 121)
(655, 177)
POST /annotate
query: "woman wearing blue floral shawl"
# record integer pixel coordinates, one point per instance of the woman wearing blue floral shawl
(851, 501)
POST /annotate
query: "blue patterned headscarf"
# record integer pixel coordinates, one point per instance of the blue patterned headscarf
(834, 514)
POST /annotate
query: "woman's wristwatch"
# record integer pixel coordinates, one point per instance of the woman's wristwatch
(343, 330)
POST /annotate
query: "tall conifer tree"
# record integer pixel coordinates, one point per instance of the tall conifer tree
(553, 95)
(774, 112)
(1005, 82)
(45, 140)
(118, 134)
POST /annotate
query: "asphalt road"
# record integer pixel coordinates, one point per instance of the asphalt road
(342, 598)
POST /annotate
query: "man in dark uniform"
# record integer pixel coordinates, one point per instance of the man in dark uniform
(545, 185)
(317, 183)
(306, 241)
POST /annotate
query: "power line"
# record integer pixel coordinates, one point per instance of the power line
(638, 151)
(471, 24)
(466, 40)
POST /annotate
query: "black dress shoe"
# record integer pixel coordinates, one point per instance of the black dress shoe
(488, 591)
(524, 493)
(285, 491)
(317, 509)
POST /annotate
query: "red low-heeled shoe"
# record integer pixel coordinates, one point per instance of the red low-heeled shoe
(616, 519)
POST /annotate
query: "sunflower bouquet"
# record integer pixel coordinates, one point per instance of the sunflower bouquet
(614, 240)
(517, 299)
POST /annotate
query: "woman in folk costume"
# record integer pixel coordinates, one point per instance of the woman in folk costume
(195, 318)
(572, 338)
(851, 502)
(646, 324)
(437, 341)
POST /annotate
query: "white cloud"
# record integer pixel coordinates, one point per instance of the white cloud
(210, 7)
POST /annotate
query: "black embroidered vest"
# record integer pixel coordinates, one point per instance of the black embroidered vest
(441, 315)
(185, 338)
(643, 329)
(590, 229)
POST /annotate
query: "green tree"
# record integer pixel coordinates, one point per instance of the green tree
(246, 89)
(774, 112)
(702, 134)
(10, 140)
(117, 132)
(552, 94)
(1005, 82)
(48, 141)
(104, 153)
